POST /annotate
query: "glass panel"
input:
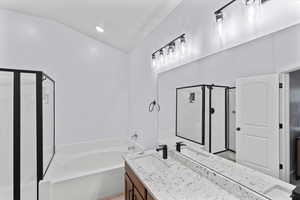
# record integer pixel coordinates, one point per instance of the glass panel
(6, 135)
(28, 137)
(48, 122)
(189, 114)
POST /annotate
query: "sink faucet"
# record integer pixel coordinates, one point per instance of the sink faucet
(179, 145)
(134, 137)
(296, 193)
(163, 148)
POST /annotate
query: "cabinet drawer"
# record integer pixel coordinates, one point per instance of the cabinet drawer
(136, 182)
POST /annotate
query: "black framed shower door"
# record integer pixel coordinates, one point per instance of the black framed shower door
(26, 89)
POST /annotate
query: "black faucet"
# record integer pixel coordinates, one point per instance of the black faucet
(163, 148)
(296, 193)
(179, 145)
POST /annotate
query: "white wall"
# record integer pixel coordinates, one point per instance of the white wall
(91, 78)
(142, 91)
(263, 55)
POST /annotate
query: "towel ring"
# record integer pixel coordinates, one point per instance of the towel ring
(154, 105)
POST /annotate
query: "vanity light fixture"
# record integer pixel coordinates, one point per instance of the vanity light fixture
(153, 60)
(182, 39)
(161, 57)
(161, 52)
(171, 48)
(219, 13)
(182, 44)
(170, 51)
(219, 16)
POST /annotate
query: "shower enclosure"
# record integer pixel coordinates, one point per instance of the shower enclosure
(27, 131)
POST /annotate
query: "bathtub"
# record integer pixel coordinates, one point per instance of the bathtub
(86, 171)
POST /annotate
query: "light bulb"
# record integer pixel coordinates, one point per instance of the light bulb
(182, 44)
(161, 57)
(153, 60)
(171, 48)
(219, 16)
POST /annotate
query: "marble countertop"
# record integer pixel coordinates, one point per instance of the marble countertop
(198, 175)
(248, 177)
(171, 180)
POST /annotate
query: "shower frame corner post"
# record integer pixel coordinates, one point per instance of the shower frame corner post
(16, 136)
(39, 128)
(203, 115)
(227, 118)
(209, 118)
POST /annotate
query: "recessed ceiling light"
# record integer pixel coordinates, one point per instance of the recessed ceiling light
(99, 29)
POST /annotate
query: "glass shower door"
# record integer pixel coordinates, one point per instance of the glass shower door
(6, 135)
(28, 136)
(27, 132)
(48, 121)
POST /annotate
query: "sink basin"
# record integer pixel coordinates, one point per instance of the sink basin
(150, 163)
(277, 192)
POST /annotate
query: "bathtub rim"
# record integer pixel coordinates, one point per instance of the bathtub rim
(81, 175)
(60, 154)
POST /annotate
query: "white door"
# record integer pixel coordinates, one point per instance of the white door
(257, 104)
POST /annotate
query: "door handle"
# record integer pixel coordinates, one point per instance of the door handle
(238, 128)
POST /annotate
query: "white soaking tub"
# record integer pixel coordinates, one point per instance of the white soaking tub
(86, 171)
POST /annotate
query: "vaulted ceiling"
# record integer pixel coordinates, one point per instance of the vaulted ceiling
(125, 22)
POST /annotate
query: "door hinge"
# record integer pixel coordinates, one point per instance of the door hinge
(280, 166)
(280, 85)
(280, 126)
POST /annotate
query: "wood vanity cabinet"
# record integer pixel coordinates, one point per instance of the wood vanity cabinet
(128, 188)
(134, 188)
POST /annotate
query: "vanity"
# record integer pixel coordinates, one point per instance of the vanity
(196, 175)
(134, 188)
